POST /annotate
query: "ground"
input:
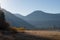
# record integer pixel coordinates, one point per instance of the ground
(32, 35)
(53, 35)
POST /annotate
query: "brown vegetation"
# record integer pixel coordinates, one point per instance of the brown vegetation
(18, 29)
(53, 35)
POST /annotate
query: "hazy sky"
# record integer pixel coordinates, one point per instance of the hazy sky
(25, 7)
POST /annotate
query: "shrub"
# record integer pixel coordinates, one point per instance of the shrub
(20, 29)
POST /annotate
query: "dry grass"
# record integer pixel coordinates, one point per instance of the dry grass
(54, 35)
(32, 35)
(18, 29)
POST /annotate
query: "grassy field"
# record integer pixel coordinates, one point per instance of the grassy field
(44, 34)
(53, 35)
(31, 35)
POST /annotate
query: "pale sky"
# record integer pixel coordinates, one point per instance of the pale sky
(25, 7)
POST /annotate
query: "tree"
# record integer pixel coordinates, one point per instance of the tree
(2, 20)
(3, 24)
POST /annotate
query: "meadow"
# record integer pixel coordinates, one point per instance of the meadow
(53, 35)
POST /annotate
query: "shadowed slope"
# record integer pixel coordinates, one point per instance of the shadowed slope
(15, 21)
(42, 20)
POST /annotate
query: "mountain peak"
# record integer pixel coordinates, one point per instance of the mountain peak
(37, 12)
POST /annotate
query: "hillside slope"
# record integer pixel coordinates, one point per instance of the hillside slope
(42, 20)
(15, 21)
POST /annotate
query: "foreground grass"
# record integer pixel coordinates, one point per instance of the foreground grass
(31, 35)
(53, 35)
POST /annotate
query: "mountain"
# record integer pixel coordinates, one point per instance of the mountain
(15, 21)
(19, 16)
(42, 20)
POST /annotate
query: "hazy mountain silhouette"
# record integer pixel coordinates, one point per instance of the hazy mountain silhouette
(19, 16)
(42, 20)
(15, 21)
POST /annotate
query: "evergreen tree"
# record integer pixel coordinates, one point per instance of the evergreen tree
(2, 20)
(3, 24)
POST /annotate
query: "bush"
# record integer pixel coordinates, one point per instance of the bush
(13, 30)
(20, 29)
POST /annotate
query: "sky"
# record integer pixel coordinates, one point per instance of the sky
(25, 7)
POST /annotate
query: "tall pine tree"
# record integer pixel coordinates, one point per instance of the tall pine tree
(3, 24)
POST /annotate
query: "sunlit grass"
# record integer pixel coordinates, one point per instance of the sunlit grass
(53, 35)
(21, 29)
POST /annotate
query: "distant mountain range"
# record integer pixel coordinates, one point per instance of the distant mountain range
(42, 20)
(15, 21)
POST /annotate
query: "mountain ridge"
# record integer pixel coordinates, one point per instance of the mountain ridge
(15, 21)
(37, 11)
(43, 20)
